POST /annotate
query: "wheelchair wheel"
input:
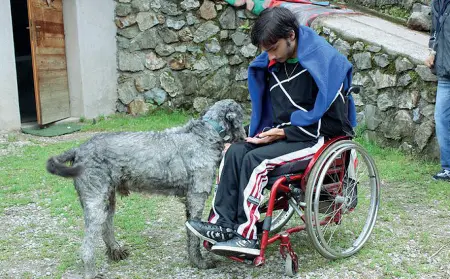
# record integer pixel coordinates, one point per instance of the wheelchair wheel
(281, 214)
(291, 265)
(342, 200)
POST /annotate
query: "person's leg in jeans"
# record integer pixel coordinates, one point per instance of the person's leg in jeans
(442, 119)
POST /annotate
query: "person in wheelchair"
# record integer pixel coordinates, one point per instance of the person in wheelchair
(297, 87)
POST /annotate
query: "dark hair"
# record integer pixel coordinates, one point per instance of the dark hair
(274, 24)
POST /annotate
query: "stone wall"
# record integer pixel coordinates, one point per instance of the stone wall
(188, 54)
(181, 54)
(396, 104)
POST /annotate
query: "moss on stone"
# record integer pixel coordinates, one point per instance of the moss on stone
(397, 11)
(414, 76)
(199, 55)
(429, 86)
(390, 69)
(246, 26)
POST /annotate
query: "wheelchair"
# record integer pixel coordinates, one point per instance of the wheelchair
(336, 194)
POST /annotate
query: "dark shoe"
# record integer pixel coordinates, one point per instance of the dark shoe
(443, 175)
(209, 232)
(237, 247)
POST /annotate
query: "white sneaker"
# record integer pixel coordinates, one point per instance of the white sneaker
(443, 175)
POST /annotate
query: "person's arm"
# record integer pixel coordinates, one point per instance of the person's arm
(296, 133)
(429, 61)
(434, 14)
(272, 135)
(292, 133)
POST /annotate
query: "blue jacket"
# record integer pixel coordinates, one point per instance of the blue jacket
(326, 65)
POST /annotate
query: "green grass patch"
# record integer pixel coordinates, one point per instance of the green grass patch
(11, 138)
(157, 120)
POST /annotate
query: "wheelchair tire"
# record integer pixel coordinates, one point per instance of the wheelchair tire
(341, 228)
(279, 217)
(291, 265)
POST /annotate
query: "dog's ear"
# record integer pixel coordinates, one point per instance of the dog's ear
(231, 116)
(233, 120)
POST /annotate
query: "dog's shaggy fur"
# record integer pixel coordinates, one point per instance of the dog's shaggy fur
(180, 161)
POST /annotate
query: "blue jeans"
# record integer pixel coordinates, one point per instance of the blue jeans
(442, 118)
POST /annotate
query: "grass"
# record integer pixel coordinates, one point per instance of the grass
(11, 138)
(398, 168)
(156, 120)
(413, 208)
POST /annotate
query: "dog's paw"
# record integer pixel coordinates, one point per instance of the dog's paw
(118, 254)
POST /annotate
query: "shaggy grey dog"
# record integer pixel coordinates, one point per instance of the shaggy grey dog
(179, 161)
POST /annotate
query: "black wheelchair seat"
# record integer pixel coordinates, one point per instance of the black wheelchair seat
(295, 167)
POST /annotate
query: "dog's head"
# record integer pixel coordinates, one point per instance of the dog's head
(229, 115)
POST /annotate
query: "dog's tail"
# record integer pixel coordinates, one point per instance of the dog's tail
(56, 165)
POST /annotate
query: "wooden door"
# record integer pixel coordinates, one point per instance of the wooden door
(49, 60)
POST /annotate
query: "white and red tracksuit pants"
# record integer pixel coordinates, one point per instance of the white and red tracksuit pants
(243, 176)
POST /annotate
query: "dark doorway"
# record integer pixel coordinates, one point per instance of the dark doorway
(24, 66)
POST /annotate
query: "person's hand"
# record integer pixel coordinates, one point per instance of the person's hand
(267, 137)
(225, 147)
(429, 62)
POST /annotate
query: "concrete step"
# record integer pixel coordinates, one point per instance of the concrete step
(393, 38)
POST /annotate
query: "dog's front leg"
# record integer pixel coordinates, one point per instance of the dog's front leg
(195, 202)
